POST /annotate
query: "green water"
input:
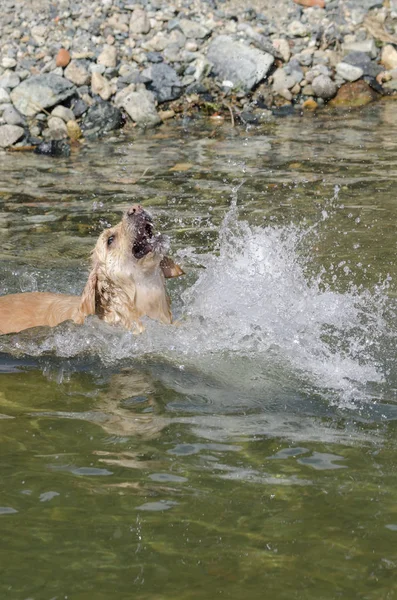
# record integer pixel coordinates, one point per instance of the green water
(180, 467)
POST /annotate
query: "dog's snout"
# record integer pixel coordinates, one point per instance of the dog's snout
(136, 209)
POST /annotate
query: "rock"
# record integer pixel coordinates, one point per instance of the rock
(157, 43)
(164, 82)
(389, 57)
(311, 3)
(316, 71)
(193, 29)
(139, 22)
(165, 115)
(62, 112)
(282, 46)
(363, 60)
(354, 94)
(310, 104)
(9, 134)
(139, 103)
(12, 117)
(4, 96)
(57, 128)
(305, 58)
(73, 130)
(238, 63)
(298, 29)
(108, 57)
(62, 58)
(79, 107)
(323, 87)
(77, 73)
(9, 80)
(282, 80)
(8, 62)
(368, 46)
(101, 86)
(349, 72)
(54, 148)
(41, 91)
(101, 118)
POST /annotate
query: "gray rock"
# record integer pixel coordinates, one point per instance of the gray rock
(9, 134)
(192, 29)
(363, 60)
(41, 91)
(238, 63)
(12, 117)
(348, 72)
(139, 103)
(101, 118)
(282, 80)
(324, 87)
(9, 80)
(164, 82)
(139, 22)
(57, 128)
(4, 96)
(77, 73)
(64, 113)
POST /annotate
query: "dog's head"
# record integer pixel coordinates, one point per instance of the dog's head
(126, 256)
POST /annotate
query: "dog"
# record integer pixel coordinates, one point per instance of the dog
(126, 283)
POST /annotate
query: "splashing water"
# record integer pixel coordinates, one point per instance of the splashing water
(252, 302)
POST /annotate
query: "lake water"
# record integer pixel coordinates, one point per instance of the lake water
(249, 451)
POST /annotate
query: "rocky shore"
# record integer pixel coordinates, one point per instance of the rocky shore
(75, 69)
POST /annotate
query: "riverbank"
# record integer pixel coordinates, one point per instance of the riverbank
(75, 70)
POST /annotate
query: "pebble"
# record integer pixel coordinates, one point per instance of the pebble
(234, 61)
(64, 113)
(77, 73)
(355, 94)
(139, 22)
(324, 87)
(8, 63)
(140, 105)
(192, 29)
(389, 57)
(62, 58)
(101, 86)
(12, 117)
(164, 82)
(10, 134)
(349, 72)
(108, 57)
(57, 128)
(4, 96)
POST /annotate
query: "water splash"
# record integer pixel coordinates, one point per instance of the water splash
(254, 317)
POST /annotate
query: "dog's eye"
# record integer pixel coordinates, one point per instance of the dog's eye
(110, 240)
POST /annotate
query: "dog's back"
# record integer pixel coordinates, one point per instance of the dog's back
(34, 309)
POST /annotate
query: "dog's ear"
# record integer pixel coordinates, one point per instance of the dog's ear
(87, 304)
(170, 269)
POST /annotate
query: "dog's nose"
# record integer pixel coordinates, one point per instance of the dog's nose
(136, 209)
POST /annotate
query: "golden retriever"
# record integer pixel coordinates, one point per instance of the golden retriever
(126, 282)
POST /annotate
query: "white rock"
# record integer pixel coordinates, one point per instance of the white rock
(349, 72)
(57, 127)
(101, 86)
(389, 57)
(193, 29)
(77, 73)
(64, 113)
(323, 87)
(298, 29)
(4, 96)
(139, 103)
(9, 134)
(282, 46)
(139, 22)
(8, 62)
(367, 46)
(108, 57)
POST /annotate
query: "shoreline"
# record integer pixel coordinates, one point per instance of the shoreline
(76, 70)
